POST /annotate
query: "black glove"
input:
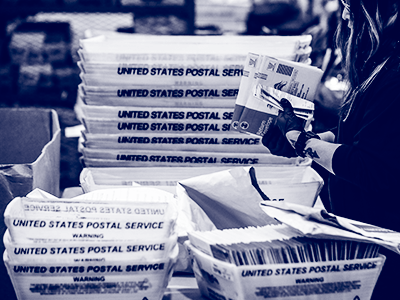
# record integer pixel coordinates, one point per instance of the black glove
(287, 120)
(277, 143)
(275, 138)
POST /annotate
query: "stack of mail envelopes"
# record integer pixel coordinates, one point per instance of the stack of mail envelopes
(168, 101)
(92, 247)
(279, 262)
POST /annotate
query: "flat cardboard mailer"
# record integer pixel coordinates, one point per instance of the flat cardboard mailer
(154, 158)
(92, 179)
(156, 101)
(260, 111)
(329, 280)
(115, 126)
(293, 78)
(272, 178)
(104, 79)
(203, 142)
(155, 113)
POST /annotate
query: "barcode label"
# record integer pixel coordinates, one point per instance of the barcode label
(285, 70)
(131, 287)
(311, 289)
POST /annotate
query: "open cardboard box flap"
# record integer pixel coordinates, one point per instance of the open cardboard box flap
(29, 152)
(29, 158)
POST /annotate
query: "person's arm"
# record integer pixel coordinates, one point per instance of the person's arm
(327, 136)
(319, 150)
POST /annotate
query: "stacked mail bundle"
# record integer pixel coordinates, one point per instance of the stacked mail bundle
(92, 248)
(162, 101)
(295, 184)
(278, 261)
(270, 80)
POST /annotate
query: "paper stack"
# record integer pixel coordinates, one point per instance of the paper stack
(270, 79)
(297, 184)
(92, 248)
(278, 261)
(168, 101)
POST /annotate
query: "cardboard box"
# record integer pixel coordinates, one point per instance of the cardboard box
(29, 159)
(328, 280)
(29, 152)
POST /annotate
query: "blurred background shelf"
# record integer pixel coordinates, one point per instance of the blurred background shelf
(179, 7)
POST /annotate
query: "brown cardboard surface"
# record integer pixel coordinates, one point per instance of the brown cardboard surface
(29, 151)
(23, 134)
(29, 159)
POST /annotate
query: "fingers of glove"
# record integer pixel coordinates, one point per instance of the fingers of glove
(283, 148)
(277, 144)
(271, 137)
(286, 105)
(287, 121)
(286, 149)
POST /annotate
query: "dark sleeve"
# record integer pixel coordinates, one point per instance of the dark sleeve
(371, 160)
(334, 130)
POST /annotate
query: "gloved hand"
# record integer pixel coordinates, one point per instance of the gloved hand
(278, 144)
(275, 138)
(287, 120)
